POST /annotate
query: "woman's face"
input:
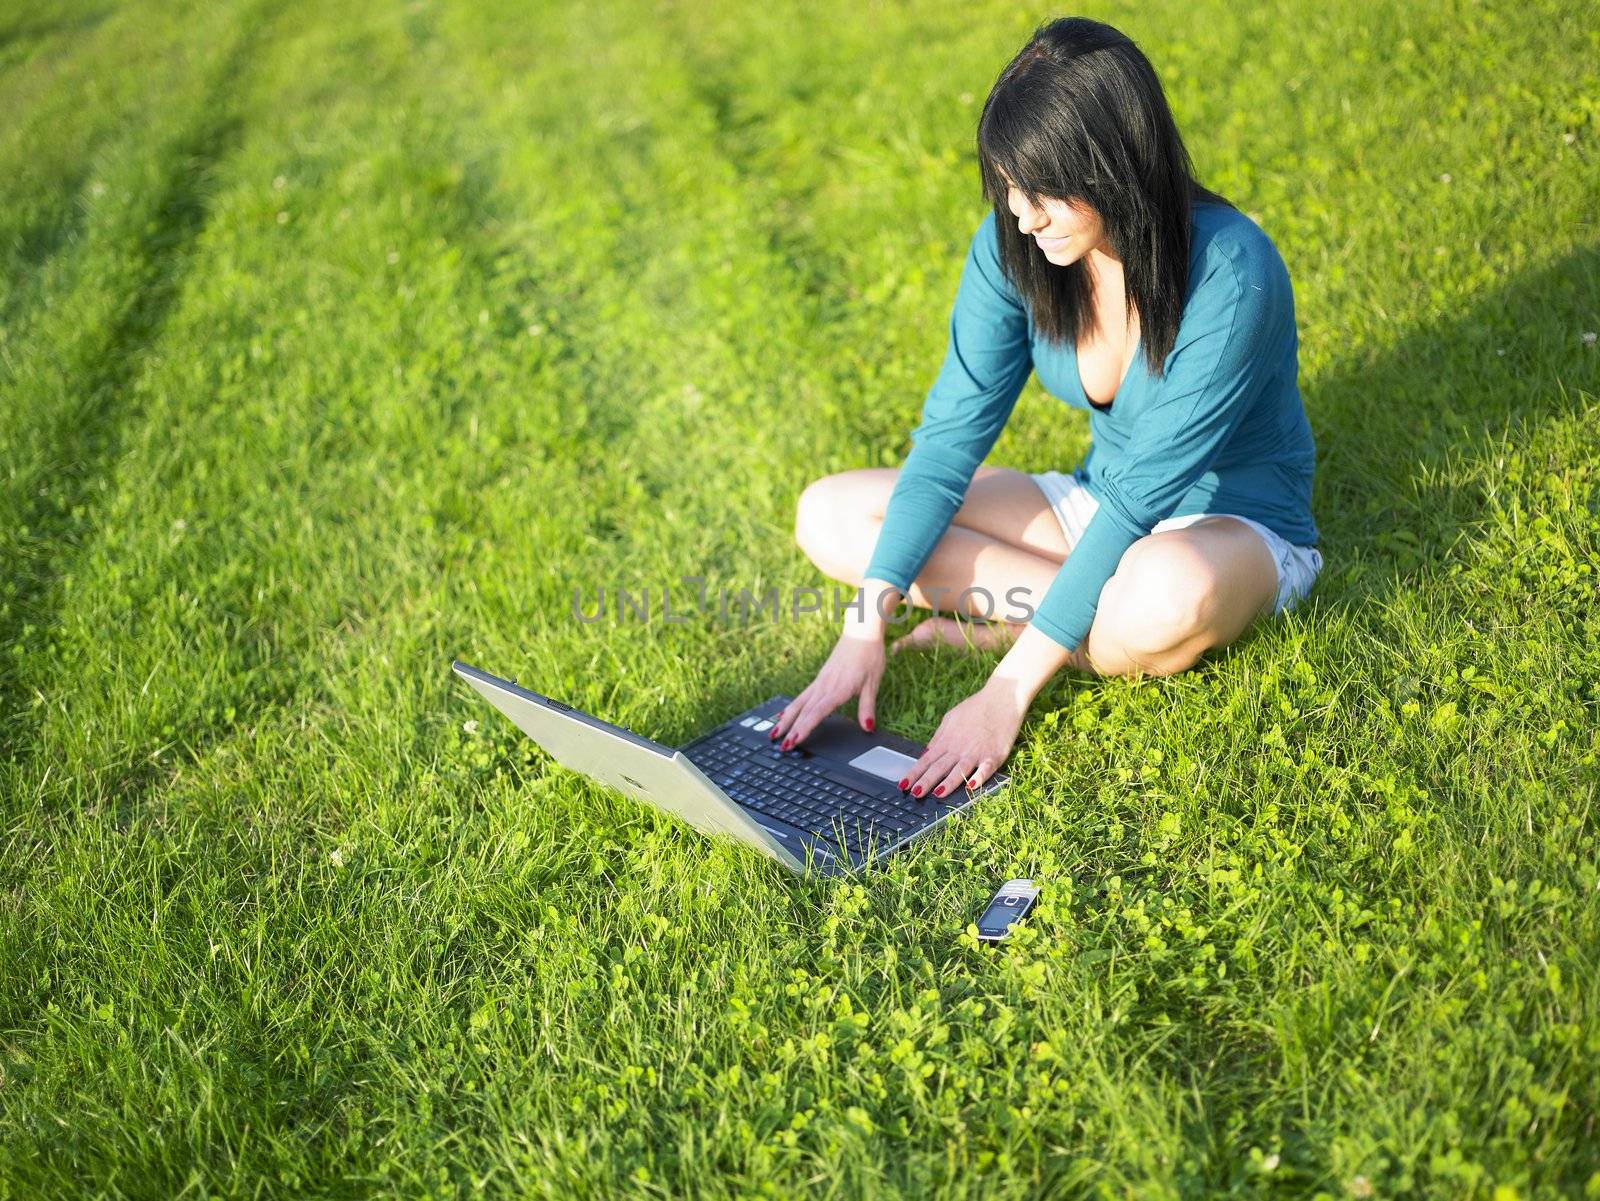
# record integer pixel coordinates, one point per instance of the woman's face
(1064, 230)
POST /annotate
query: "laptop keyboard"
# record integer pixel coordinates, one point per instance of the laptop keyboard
(810, 798)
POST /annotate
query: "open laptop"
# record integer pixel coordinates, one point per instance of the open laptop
(831, 805)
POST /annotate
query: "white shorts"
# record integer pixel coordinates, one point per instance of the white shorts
(1074, 506)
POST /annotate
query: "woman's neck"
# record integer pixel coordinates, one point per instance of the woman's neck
(1102, 263)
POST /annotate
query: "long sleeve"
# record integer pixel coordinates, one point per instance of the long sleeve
(986, 364)
(1225, 354)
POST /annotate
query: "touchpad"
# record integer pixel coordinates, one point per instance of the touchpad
(884, 763)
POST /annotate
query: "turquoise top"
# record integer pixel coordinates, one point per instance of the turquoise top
(1223, 431)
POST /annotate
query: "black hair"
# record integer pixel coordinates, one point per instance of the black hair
(1079, 115)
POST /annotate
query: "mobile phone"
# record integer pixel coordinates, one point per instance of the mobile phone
(1012, 902)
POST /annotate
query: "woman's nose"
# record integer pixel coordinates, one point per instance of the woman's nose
(1027, 218)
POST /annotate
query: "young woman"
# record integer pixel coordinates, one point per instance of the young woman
(1154, 304)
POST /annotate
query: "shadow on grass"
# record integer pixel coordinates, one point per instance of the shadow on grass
(86, 440)
(87, 436)
(18, 34)
(1387, 421)
(40, 240)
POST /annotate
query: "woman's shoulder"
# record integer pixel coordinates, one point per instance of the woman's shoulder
(984, 269)
(985, 244)
(1230, 251)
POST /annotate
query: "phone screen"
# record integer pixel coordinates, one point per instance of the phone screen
(1007, 907)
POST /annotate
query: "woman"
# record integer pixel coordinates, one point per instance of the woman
(1149, 301)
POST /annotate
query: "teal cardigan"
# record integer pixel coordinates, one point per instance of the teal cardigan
(1223, 431)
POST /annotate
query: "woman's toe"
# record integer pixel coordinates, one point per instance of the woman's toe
(963, 635)
(924, 634)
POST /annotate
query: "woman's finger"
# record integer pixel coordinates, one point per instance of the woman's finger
(791, 718)
(818, 707)
(784, 725)
(956, 777)
(867, 706)
(926, 775)
(979, 776)
(785, 719)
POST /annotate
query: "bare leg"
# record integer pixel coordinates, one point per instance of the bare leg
(1003, 531)
(1175, 595)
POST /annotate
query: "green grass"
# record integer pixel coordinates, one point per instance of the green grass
(339, 340)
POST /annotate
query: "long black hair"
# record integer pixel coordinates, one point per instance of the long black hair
(1078, 115)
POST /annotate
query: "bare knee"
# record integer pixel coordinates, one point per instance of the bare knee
(827, 520)
(811, 514)
(1160, 606)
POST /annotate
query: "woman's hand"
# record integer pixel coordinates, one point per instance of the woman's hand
(975, 737)
(854, 668)
(971, 742)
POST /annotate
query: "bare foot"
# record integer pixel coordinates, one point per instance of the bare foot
(964, 635)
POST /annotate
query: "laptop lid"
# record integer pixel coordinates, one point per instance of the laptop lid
(621, 759)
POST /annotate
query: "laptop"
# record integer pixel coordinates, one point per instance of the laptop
(830, 806)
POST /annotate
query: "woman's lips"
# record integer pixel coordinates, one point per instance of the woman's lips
(1052, 243)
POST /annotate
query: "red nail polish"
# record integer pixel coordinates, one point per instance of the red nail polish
(939, 791)
(772, 733)
(870, 724)
(917, 791)
(904, 784)
(787, 743)
(972, 783)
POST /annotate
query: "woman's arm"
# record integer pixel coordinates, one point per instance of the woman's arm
(987, 362)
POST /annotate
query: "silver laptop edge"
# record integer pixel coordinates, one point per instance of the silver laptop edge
(634, 765)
